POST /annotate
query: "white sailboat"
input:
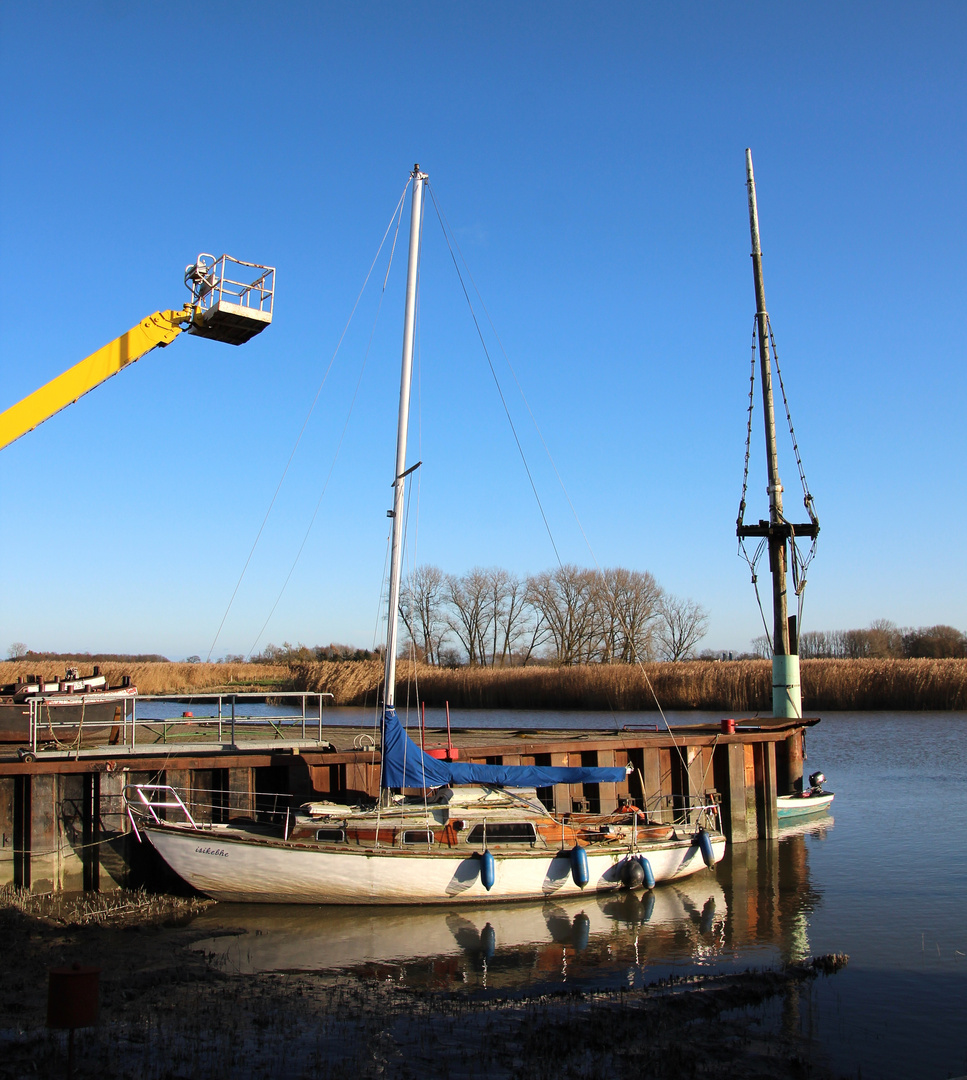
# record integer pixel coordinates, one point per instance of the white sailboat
(477, 833)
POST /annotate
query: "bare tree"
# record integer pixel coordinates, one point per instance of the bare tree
(762, 647)
(17, 651)
(681, 626)
(567, 602)
(422, 600)
(470, 613)
(936, 641)
(508, 613)
(628, 602)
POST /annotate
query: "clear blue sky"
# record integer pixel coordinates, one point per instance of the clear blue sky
(590, 158)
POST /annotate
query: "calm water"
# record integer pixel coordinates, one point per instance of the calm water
(884, 879)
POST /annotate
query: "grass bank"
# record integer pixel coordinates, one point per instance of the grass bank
(736, 687)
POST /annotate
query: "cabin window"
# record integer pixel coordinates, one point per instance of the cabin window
(417, 836)
(332, 836)
(504, 832)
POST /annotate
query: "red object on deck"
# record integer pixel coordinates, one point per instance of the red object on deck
(728, 727)
(444, 753)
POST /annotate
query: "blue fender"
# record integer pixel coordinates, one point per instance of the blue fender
(649, 873)
(582, 931)
(705, 847)
(488, 870)
(579, 866)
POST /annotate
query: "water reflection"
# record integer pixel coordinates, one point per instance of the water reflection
(755, 909)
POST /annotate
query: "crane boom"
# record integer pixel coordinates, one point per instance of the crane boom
(156, 330)
(223, 307)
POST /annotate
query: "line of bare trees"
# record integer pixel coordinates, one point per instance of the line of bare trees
(570, 615)
(881, 640)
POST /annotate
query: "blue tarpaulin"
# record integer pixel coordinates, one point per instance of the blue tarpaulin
(406, 766)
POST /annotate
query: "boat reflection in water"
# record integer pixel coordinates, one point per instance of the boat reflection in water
(754, 911)
(519, 943)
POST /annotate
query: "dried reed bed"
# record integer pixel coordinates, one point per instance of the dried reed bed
(739, 687)
(163, 678)
(884, 684)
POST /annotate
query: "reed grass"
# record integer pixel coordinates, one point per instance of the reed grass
(163, 678)
(739, 686)
(122, 907)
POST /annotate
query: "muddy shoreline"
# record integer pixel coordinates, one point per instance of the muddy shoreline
(168, 1012)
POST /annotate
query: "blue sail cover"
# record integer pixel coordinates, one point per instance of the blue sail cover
(406, 766)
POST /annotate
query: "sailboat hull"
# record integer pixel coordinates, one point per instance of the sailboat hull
(224, 864)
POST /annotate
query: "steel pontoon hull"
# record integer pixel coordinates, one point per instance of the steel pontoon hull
(226, 865)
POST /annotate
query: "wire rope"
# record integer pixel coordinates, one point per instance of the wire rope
(798, 562)
(490, 364)
(451, 246)
(335, 457)
(305, 423)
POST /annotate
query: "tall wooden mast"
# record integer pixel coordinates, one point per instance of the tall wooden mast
(786, 694)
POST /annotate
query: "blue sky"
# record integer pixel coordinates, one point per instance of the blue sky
(590, 160)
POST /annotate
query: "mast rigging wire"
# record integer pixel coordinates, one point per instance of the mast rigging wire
(342, 436)
(447, 235)
(798, 562)
(396, 214)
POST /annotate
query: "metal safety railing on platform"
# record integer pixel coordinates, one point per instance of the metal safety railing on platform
(131, 723)
(214, 281)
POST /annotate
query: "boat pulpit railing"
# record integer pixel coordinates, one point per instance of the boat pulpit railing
(148, 799)
(205, 807)
(232, 299)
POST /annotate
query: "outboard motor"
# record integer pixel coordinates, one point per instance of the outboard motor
(816, 780)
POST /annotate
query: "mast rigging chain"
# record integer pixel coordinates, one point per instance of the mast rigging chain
(799, 563)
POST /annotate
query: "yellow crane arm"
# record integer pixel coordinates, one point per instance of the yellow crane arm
(161, 328)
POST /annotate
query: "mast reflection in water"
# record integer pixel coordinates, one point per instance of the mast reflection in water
(753, 911)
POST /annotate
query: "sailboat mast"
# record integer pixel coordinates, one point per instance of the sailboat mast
(777, 539)
(779, 533)
(409, 323)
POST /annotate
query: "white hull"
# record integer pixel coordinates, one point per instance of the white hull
(794, 807)
(226, 865)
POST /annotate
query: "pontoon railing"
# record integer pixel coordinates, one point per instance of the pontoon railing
(225, 720)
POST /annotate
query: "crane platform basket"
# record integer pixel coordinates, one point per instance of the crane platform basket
(228, 306)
